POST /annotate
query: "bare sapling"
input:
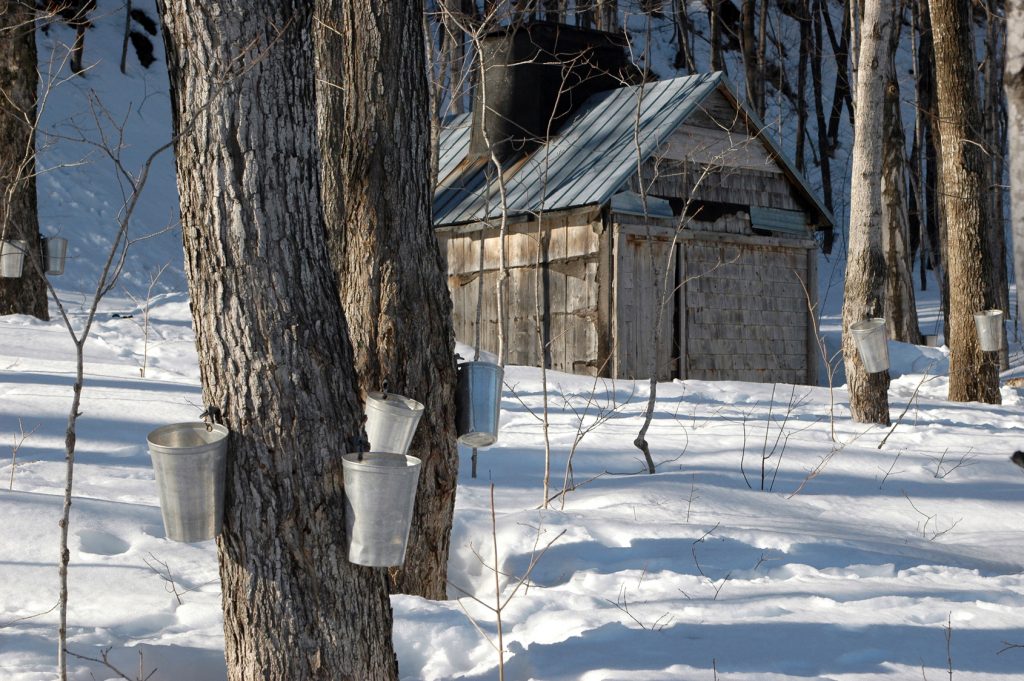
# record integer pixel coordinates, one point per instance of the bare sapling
(501, 599)
(19, 440)
(831, 361)
(929, 528)
(911, 401)
(144, 306)
(104, 659)
(133, 183)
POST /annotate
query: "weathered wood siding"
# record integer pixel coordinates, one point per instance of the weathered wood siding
(715, 156)
(570, 282)
(642, 301)
(728, 185)
(746, 312)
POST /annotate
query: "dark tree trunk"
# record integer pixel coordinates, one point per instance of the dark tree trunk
(373, 113)
(806, 48)
(841, 91)
(824, 146)
(973, 375)
(1013, 83)
(753, 69)
(934, 233)
(994, 115)
(684, 46)
(715, 21)
(18, 218)
(274, 350)
(900, 304)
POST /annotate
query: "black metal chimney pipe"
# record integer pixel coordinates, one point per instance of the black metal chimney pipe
(535, 77)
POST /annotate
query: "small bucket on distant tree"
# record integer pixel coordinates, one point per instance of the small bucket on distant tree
(989, 324)
(380, 491)
(190, 461)
(872, 345)
(12, 257)
(391, 421)
(478, 403)
(55, 251)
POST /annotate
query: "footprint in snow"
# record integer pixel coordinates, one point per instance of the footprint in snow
(101, 543)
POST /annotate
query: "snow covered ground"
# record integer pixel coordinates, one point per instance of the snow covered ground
(844, 559)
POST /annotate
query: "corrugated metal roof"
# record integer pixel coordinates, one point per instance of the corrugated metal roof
(453, 144)
(587, 162)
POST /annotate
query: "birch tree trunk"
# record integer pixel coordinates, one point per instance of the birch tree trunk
(865, 262)
(274, 351)
(374, 122)
(18, 218)
(900, 305)
(973, 375)
(1013, 82)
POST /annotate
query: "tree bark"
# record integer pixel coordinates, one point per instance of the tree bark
(752, 67)
(900, 305)
(994, 115)
(274, 351)
(373, 117)
(1013, 83)
(973, 375)
(715, 22)
(19, 79)
(865, 263)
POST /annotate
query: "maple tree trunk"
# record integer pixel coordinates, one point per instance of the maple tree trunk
(18, 218)
(374, 122)
(274, 352)
(1013, 83)
(973, 375)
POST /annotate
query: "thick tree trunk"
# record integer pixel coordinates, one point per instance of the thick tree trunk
(865, 263)
(1013, 82)
(18, 219)
(994, 114)
(900, 305)
(373, 117)
(973, 375)
(274, 351)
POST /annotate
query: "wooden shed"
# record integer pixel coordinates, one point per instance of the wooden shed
(657, 204)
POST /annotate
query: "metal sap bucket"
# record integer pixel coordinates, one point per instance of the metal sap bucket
(380, 491)
(990, 329)
(391, 422)
(190, 462)
(55, 251)
(869, 336)
(478, 403)
(12, 257)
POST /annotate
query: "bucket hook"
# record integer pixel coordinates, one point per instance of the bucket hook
(211, 416)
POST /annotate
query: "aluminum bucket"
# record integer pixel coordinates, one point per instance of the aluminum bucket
(380, 492)
(391, 422)
(55, 250)
(478, 403)
(190, 463)
(12, 257)
(990, 329)
(869, 336)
